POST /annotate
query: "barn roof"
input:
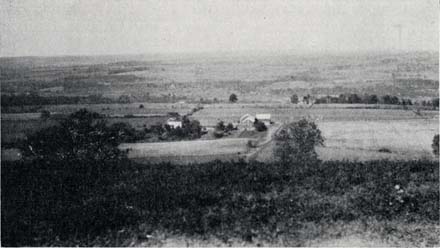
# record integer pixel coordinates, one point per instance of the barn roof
(173, 119)
(246, 117)
(263, 116)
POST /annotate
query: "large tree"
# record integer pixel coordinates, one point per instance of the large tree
(296, 142)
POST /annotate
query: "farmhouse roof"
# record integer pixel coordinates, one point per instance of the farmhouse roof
(246, 117)
(263, 116)
(173, 119)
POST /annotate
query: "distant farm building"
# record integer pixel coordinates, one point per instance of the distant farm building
(265, 118)
(174, 122)
(247, 122)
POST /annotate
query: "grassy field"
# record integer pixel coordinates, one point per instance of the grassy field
(13, 131)
(187, 151)
(372, 140)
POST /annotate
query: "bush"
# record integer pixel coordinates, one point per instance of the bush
(435, 145)
(220, 126)
(233, 98)
(259, 126)
(294, 99)
(218, 134)
(230, 127)
(384, 150)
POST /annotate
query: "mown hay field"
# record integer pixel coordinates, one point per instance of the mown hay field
(195, 151)
(372, 140)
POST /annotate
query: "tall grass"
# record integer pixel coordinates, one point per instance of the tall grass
(81, 204)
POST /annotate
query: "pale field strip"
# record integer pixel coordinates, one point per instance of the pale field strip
(187, 148)
(398, 135)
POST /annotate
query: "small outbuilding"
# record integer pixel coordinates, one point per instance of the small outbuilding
(265, 118)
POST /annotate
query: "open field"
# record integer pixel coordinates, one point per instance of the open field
(188, 151)
(362, 140)
(13, 131)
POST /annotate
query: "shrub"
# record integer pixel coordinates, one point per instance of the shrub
(435, 145)
(220, 126)
(218, 134)
(141, 106)
(384, 150)
(233, 98)
(229, 127)
(259, 125)
(294, 99)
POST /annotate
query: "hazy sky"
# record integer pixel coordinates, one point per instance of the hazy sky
(60, 27)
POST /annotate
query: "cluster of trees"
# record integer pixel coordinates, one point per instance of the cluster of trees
(83, 137)
(221, 129)
(365, 99)
(191, 129)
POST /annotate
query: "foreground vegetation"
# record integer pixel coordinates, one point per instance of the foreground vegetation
(103, 204)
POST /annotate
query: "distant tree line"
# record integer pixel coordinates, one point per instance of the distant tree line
(35, 99)
(366, 99)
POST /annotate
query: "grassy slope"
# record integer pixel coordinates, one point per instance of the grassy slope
(230, 203)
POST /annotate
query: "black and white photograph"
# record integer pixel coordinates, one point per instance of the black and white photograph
(219, 123)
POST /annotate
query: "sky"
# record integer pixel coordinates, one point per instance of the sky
(91, 27)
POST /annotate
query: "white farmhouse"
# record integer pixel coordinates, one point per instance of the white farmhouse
(174, 123)
(247, 122)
